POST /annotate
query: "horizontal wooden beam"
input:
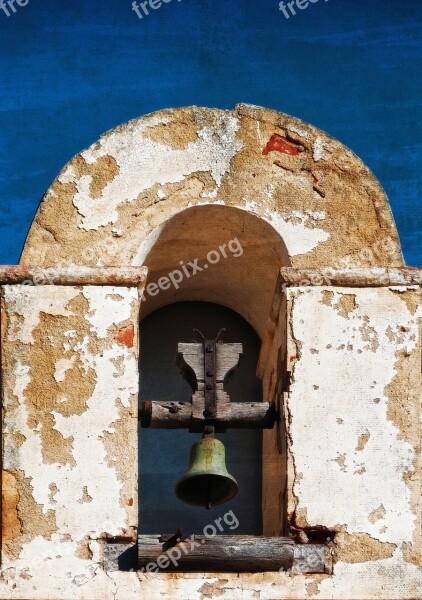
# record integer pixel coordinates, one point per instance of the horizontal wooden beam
(358, 277)
(224, 553)
(73, 275)
(216, 553)
(234, 415)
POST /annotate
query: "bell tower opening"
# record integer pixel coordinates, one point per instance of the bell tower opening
(164, 454)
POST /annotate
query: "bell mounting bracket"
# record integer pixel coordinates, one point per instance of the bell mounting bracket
(210, 385)
(207, 366)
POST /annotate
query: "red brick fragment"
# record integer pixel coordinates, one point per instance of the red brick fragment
(126, 336)
(278, 143)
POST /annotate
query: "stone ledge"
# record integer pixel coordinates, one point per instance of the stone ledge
(357, 277)
(73, 275)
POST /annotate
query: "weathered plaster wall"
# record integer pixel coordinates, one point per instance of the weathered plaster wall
(70, 388)
(353, 411)
(125, 187)
(353, 444)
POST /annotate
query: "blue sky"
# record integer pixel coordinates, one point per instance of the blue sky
(71, 70)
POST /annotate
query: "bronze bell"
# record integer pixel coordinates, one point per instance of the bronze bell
(207, 481)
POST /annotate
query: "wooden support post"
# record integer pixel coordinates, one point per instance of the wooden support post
(191, 415)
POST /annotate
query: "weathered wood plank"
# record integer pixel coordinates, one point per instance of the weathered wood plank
(192, 356)
(216, 553)
(180, 415)
(233, 553)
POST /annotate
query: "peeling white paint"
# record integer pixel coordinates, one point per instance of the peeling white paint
(212, 194)
(319, 149)
(317, 215)
(143, 163)
(387, 578)
(332, 494)
(18, 298)
(113, 390)
(102, 302)
(62, 366)
(301, 131)
(269, 191)
(298, 238)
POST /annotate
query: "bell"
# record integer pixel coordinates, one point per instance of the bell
(207, 481)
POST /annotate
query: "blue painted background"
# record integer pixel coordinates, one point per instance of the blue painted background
(71, 70)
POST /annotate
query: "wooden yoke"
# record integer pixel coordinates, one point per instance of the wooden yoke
(192, 415)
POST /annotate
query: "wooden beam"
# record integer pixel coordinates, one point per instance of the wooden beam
(358, 277)
(234, 415)
(233, 553)
(191, 357)
(216, 553)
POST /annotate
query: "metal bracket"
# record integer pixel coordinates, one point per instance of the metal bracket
(169, 540)
(210, 385)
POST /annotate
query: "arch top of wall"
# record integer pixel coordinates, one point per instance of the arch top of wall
(321, 199)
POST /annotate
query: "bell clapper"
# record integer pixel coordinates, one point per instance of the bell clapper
(209, 431)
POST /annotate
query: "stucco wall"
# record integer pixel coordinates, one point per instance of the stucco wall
(70, 389)
(320, 198)
(353, 412)
(173, 185)
(70, 386)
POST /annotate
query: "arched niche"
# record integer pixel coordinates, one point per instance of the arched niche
(231, 257)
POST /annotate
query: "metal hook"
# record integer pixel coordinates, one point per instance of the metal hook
(222, 330)
(200, 333)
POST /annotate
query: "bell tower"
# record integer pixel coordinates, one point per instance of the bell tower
(270, 217)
